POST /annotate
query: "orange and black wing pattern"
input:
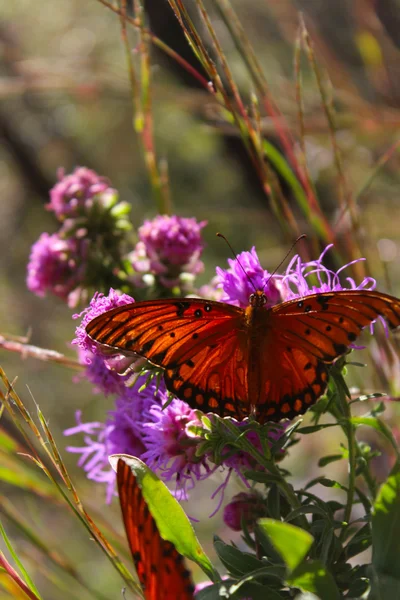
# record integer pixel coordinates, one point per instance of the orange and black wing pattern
(202, 345)
(305, 335)
(161, 569)
(326, 324)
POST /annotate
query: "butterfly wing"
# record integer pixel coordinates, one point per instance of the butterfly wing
(305, 336)
(326, 324)
(202, 345)
(161, 569)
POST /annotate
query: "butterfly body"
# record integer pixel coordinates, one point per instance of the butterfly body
(267, 362)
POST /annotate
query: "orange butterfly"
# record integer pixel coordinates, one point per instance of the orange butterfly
(160, 568)
(269, 363)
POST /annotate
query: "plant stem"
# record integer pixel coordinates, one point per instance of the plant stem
(286, 488)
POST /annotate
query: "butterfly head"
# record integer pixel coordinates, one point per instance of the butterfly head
(258, 299)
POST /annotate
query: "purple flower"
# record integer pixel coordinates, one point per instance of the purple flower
(139, 427)
(244, 276)
(300, 279)
(245, 506)
(99, 304)
(106, 372)
(94, 452)
(300, 276)
(57, 266)
(74, 194)
(169, 246)
(97, 370)
(171, 449)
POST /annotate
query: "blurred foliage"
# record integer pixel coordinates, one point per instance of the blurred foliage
(65, 100)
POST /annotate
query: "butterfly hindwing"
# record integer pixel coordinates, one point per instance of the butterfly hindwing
(160, 568)
(288, 387)
(214, 377)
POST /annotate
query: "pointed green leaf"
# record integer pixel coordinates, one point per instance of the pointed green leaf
(237, 562)
(386, 529)
(312, 576)
(291, 542)
(326, 460)
(171, 520)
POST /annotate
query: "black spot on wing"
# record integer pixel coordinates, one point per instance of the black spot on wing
(181, 308)
(340, 348)
(159, 358)
(146, 347)
(323, 301)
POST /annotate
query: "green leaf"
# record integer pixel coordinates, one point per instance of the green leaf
(306, 510)
(359, 542)
(384, 587)
(274, 502)
(386, 529)
(170, 518)
(291, 542)
(380, 426)
(227, 589)
(268, 548)
(313, 428)
(331, 483)
(237, 562)
(326, 460)
(26, 578)
(267, 478)
(312, 576)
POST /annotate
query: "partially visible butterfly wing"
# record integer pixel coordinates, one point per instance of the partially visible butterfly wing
(161, 569)
(326, 324)
(305, 335)
(202, 345)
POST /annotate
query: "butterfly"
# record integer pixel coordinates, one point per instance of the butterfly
(271, 363)
(160, 568)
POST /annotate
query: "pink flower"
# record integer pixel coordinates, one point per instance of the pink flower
(245, 507)
(169, 246)
(57, 266)
(74, 193)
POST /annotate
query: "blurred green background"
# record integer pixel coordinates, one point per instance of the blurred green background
(65, 100)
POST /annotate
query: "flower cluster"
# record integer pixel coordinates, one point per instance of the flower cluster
(89, 251)
(86, 251)
(75, 194)
(169, 249)
(138, 426)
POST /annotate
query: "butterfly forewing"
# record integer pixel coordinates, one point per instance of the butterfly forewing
(325, 325)
(202, 345)
(160, 568)
(164, 330)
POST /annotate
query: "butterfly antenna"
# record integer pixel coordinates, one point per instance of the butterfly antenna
(301, 237)
(238, 261)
